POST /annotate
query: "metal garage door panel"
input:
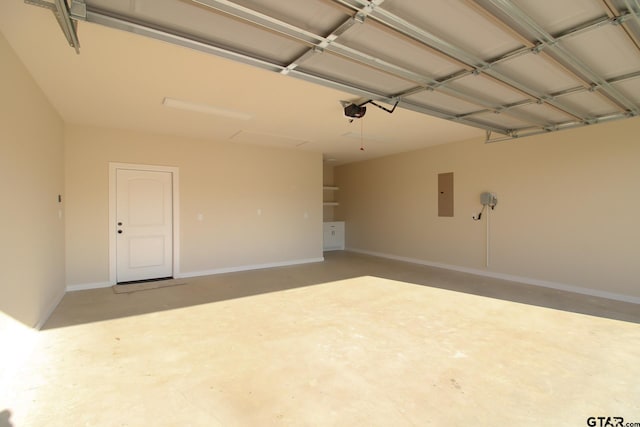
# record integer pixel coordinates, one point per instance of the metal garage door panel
(401, 51)
(537, 72)
(335, 67)
(606, 50)
(204, 23)
(557, 16)
(590, 103)
(454, 22)
(544, 113)
(388, 55)
(501, 120)
(445, 102)
(121, 6)
(630, 88)
(316, 16)
(486, 88)
(622, 5)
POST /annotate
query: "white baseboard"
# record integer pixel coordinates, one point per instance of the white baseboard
(509, 277)
(52, 306)
(85, 286)
(247, 267)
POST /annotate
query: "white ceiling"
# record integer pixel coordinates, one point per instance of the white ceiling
(485, 73)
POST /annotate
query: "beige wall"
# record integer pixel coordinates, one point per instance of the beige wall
(568, 211)
(227, 183)
(31, 167)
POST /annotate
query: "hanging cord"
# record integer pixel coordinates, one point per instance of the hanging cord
(361, 135)
(488, 233)
(477, 217)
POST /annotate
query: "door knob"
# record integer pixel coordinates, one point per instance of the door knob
(119, 231)
(119, 223)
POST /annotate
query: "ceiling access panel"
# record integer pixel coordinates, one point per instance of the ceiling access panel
(204, 24)
(484, 87)
(457, 23)
(373, 40)
(537, 72)
(267, 139)
(606, 50)
(354, 74)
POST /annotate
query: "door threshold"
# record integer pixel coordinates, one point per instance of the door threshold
(133, 282)
(145, 285)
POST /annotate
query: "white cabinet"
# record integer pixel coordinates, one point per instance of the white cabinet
(333, 235)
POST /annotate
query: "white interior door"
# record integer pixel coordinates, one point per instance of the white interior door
(144, 225)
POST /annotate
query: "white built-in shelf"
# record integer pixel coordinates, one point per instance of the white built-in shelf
(330, 202)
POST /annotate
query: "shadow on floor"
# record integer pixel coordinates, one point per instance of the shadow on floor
(5, 418)
(103, 304)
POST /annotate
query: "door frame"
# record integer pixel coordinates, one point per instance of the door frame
(174, 171)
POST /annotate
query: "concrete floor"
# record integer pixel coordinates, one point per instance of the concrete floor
(353, 341)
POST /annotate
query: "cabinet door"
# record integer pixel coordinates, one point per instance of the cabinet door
(327, 239)
(333, 234)
(329, 236)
